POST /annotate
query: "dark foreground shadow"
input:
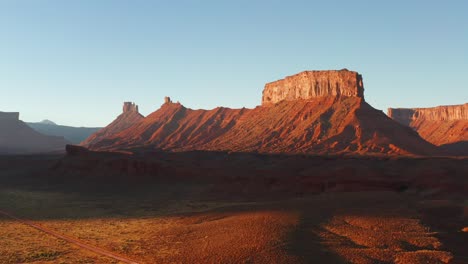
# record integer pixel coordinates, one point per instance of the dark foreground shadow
(457, 148)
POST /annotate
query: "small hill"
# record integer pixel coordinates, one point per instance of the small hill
(73, 134)
(16, 137)
(313, 112)
(129, 116)
(445, 126)
(47, 122)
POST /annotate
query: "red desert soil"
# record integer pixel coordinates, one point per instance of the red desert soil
(68, 239)
(201, 207)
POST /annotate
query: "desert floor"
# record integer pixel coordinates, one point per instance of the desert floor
(168, 222)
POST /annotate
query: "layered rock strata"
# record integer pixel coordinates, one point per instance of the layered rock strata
(445, 126)
(313, 84)
(440, 113)
(319, 112)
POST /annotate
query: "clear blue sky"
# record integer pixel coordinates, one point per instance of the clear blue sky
(75, 62)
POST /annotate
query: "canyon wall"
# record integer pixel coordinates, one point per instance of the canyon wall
(9, 115)
(440, 113)
(312, 84)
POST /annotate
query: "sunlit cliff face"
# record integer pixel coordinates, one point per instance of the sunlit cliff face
(441, 125)
(313, 84)
(439, 113)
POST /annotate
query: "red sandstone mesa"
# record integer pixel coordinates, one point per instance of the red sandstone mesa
(314, 84)
(441, 125)
(318, 112)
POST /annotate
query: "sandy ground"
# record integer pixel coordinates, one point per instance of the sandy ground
(167, 222)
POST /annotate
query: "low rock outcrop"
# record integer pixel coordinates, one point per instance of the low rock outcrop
(74, 150)
(313, 84)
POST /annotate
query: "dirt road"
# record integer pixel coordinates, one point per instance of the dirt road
(74, 241)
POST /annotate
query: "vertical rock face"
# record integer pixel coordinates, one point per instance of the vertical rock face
(439, 113)
(312, 84)
(9, 115)
(130, 107)
(446, 126)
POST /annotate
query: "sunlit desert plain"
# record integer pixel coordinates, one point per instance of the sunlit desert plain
(243, 216)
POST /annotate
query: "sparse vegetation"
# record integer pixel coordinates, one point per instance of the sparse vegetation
(167, 222)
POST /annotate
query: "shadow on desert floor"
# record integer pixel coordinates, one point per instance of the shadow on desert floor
(185, 223)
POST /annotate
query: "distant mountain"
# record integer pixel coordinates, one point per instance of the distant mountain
(313, 112)
(18, 138)
(47, 122)
(129, 117)
(73, 134)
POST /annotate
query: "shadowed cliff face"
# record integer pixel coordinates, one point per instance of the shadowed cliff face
(9, 116)
(73, 134)
(443, 125)
(18, 138)
(313, 84)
